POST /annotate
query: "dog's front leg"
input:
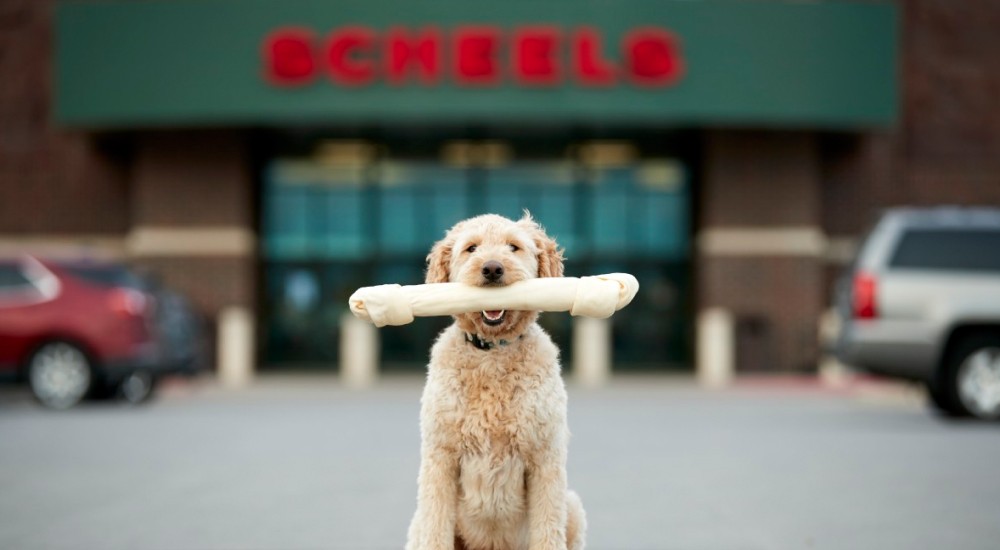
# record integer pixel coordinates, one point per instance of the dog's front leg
(433, 525)
(547, 503)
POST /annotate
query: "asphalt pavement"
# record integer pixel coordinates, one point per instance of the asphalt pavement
(300, 463)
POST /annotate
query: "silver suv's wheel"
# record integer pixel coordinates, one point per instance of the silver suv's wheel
(978, 383)
(59, 375)
(968, 382)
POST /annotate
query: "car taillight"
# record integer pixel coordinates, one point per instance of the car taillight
(863, 296)
(127, 301)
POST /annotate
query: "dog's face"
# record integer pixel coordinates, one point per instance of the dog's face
(491, 250)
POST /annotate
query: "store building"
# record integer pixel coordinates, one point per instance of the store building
(273, 156)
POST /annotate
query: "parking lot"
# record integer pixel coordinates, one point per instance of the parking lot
(297, 463)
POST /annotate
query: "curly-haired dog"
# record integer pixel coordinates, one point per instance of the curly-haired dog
(493, 412)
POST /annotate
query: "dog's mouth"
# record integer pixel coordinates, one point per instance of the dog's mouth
(494, 317)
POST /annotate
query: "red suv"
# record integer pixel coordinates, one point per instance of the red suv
(77, 328)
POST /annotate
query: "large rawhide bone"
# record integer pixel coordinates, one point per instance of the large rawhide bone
(598, 296)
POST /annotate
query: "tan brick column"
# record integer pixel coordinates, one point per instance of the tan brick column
(192, 216)
(761, 245)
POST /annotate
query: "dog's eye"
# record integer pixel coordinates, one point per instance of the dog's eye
(471, 248)
(514, 248)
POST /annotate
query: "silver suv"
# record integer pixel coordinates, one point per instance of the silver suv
(922, 301)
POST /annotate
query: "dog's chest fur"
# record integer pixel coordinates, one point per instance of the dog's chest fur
(491, 406)
(500, 400)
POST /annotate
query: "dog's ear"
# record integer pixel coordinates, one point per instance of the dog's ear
(438, 261)
(550, 256)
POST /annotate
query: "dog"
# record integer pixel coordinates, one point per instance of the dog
(494, 434)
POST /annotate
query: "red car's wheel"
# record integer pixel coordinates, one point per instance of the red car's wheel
(59, 374)
(137, 387)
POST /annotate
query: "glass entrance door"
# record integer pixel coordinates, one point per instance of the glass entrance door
(330, 228)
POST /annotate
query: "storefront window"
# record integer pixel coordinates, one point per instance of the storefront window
(314, 211)
(329, 230)
(546, 189)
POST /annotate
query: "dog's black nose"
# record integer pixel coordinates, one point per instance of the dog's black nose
(492, 271)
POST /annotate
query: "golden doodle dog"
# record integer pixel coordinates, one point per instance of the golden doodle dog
(493, 412)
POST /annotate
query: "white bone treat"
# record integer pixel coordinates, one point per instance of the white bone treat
(598, 296)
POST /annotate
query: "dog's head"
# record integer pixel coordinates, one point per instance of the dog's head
(491, 250)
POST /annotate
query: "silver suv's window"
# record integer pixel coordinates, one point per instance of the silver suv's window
(954, 249)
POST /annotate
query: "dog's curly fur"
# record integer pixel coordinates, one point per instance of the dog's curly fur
(493, 422)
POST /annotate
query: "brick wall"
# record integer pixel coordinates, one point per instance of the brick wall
(946, 147)
(189, 185)
(192, 217)
(759, 178)
(52, 181)
(192, 178)
(753, 181)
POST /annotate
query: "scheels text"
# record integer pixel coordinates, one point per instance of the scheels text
(536, 55)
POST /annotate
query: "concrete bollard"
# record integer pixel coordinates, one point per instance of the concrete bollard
(236, 347)
(831, 371)
(591, 351)
(716, 353)
(359, 352)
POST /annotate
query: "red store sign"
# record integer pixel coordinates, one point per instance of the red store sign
(531, 55)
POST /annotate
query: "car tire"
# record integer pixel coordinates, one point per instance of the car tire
(939, 399)
(969, 381)
(137, 387)
(59, 374)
